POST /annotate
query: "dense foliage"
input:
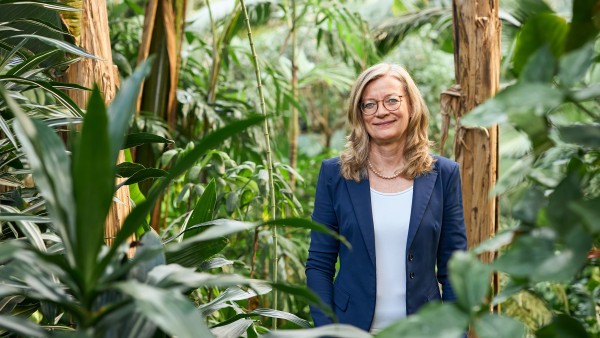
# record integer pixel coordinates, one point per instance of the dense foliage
(204, 263)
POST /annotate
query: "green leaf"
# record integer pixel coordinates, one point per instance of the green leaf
(194, 254)
(584, 25)
(575, 64)
(232, 329)
(203, 212)
(331, 330)
(585, 94)
(495, 243)
(171, 311)
(563, 326)
(138, 215)
(305, 294)
(522, 97)
(62, 45)
(267, 313)
(31, 63)
(21, 326)
(589, 213)
(434, 320)
(582, 135)
(302, 223)
(47, 86)
(127, 169)
(498, 326)
(542, 29)
(470, 280)
(51, 171)
(137, 139)
(93, 182)
(540, 67)
(527, 206)
(142, 175)
(150, 242)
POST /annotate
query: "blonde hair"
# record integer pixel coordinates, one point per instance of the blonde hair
(416, 149)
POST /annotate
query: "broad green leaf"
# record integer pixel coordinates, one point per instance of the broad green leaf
(563, 326)
(528, 205)
(138, 215)
(233, 329)
(137, 139)
(499, 326)
(585, 94)
(535, 257)
(204, 210)
(584, 26)
(589, 212)
(514, 175)
(518, 98)
(569, 190)
(15, 216)
(61, 97)
(51, 170)
(149, 242)
(305, 294)
(267, 313)
(495, 243)
(523, 10)
(540, 67)
(434, 320)
(302, 223)
(31, 62)
(470, 280)
(214, 263)
(196, 253)
(143, 174)
(176, 277)
(93, 182)
(575, 64)
(331, 330)
(172, 312)
(21, 326)
(127, 169)
(582, 135)
(62, 45)
(542, 29)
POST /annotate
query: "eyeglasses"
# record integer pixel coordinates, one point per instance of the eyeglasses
(391, 103)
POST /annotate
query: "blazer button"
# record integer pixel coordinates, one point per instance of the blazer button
(411, 257)
(411, 275)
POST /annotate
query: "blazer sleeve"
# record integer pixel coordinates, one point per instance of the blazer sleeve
(453, 235)
(323, 249)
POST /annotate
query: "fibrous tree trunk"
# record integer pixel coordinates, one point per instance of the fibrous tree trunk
(94, 38)
(477, 33)
(162, 37)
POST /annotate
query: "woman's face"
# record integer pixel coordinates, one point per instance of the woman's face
(386, 126)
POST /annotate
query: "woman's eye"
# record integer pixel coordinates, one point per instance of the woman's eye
(369, 105)
(393, 100)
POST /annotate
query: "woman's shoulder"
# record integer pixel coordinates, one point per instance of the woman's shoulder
(443, 164)
(331, 167)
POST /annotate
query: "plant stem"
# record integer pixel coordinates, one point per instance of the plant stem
(269, 157)
(294, 125)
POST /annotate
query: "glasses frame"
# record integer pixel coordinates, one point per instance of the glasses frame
(400, 98)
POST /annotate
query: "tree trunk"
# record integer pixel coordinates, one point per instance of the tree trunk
(477, 33)
(95, 39)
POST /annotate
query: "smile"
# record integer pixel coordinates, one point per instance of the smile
(384, 123)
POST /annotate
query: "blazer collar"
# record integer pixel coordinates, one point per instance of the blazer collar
(360, 194)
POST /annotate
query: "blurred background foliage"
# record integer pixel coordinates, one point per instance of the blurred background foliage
(549, 186)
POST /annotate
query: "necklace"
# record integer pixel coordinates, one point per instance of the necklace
(377, 173)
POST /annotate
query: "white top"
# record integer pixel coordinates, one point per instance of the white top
(391, 216)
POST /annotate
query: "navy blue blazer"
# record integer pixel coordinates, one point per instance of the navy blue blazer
(436, 230)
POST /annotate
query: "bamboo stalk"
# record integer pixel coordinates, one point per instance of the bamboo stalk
(268, 153)
(294, 125)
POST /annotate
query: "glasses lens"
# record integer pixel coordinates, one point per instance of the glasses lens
(369, 107)
(392, 102)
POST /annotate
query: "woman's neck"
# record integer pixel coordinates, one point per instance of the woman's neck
(387, 156)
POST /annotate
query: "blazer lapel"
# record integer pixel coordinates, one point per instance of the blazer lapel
(422, 189)
(360, 194)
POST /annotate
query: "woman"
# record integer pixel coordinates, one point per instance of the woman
(398, 206)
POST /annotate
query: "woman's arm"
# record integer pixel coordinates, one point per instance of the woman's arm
(323, 250)
(453, 236)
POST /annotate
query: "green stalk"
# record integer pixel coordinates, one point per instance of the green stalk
(294, 124)
(269, 157)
